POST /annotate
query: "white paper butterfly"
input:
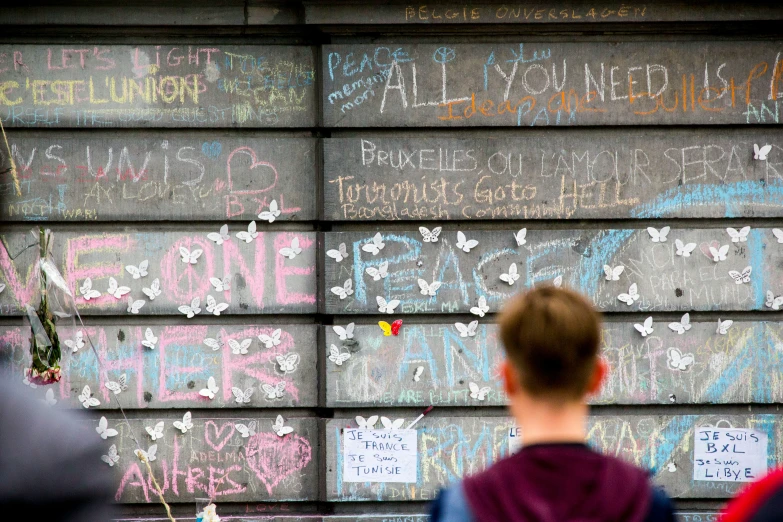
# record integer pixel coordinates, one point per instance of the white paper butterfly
(134, 305)
(211, 389)
(684, 250)
(338, 357)
(219, 237)
(676, 360)
(242, 397)
(738, 236)
(271, 214)
(221, 285)
(761, 153)
(463, 243)
(375, 246)
(683, 326)
(774, 302)
(250, 235)
(378, 273)
(478, 393)
(468, 330)
(77, 342)
(215, 344)
(613, 274)
(103, 429)
(191, 310)
(743, 277)
(87, 291)
(155, 432)
(138, 271)
(512, 276)
(239, 348)
(344, 333)
(49, 399)
(86, 398)
(274, 392)
(646, 328)
(246, 430)
(520, 236)
(280, 428)
(429, 289)
(271, 340)
(213, 307)
(287, 362)
(778, 233)
(150, 341)
(116, 290)
(148, 455)
(292, 251)
(368, 423)
(658, 236)
(153, 291)
(631, 297)
(723, 326)
(111, 458)
(385, 307)
(719, 254)
(343, 291)
(339, 254)
(481, 308)
(558, 281)
(430, 237)
(118, 386)
(188, 256)
(389, 424)
(417, 373)
(2, 287)
(27, 382)
(186, 423)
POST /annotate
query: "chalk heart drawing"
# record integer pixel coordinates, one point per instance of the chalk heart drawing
(211, 150)
(221, 435)
(705, 248)
(261, 175)
(274, 458)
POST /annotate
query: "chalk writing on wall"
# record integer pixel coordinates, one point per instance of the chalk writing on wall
(453, 447)
(215, 459)
(156, 175)
(663, 279)
(550, 84)
(553, 175)
(169, 372)
(382, 369)
(156, 86)
(258, 278)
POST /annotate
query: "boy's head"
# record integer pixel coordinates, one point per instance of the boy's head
(551, 337)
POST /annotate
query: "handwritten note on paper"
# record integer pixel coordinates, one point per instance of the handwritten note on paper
(729, 454)
(380, 455)
(514, 439)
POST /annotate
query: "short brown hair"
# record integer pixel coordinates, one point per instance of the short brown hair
(552, 337)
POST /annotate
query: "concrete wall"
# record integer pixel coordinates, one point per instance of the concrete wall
(140, 128)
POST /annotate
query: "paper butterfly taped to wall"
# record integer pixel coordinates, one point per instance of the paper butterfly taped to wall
(676, 360)
(192, 309)
(140, 271)
(741, 277)
(760, 153)
(738, 236)
(683, 326)
(646, 328)
(270, 341)
(86, 290)
(520, 237)
(481, 308)
(242, 397)
(111, 458)
(239, 347)
(478, 393)
(246, 430)
(287, 363)
(343, 291)
(368, 423)
(389, 424)
(339, 253)
(77, 343)
(118, 386)
(155, 432)
(386, 307)
(512, 276)
(249, 235)
(190, 257)
(221, 285)
(684, 250)
(719, 254)
(658, 236)
(103, 429)
(429, 288)
(292, 251)
(774, 302)
(378, 273)
(219, 237)
(271, 214)
(631, 297)
(274, 392)
(116, 290)
(134, 305)
(279, 427)
(86, 398)
(338, 357)
(464, 243)
(430, 236)
(148, 455)
(613, 274)
(211, 389)
(185, 424)
(150, 341)
(215, 343)
(375, 246)
(723, 326)
(390, 329)
(153, 291)
(213, 307)
(466, 330)
(344, 333)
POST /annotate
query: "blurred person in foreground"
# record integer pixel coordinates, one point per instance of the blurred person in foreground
(761, 501)
(551, 338)
(50, 462)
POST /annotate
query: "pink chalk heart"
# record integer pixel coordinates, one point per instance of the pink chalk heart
(274, 458)
(220, 439)
(246, 180)
(705, 248)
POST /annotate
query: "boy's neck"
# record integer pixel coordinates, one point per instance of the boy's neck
(543, 422)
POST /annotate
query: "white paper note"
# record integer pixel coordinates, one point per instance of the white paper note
(379, 455)
(729, 454)
(514, 439)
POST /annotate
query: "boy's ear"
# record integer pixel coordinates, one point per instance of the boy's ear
(510, 378)
(599, 375)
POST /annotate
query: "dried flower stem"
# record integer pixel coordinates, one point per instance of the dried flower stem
(11, 159)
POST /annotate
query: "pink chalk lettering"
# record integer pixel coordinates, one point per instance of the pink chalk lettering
(234, 262)
(115, 366)
(263, 180)
(175, 472)
(192, 480)
(219, 440)
(76, 270)
(184, 281)
(22, 292)
(274, 459)
(282, 271)
(133, 472)
(219, 476)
